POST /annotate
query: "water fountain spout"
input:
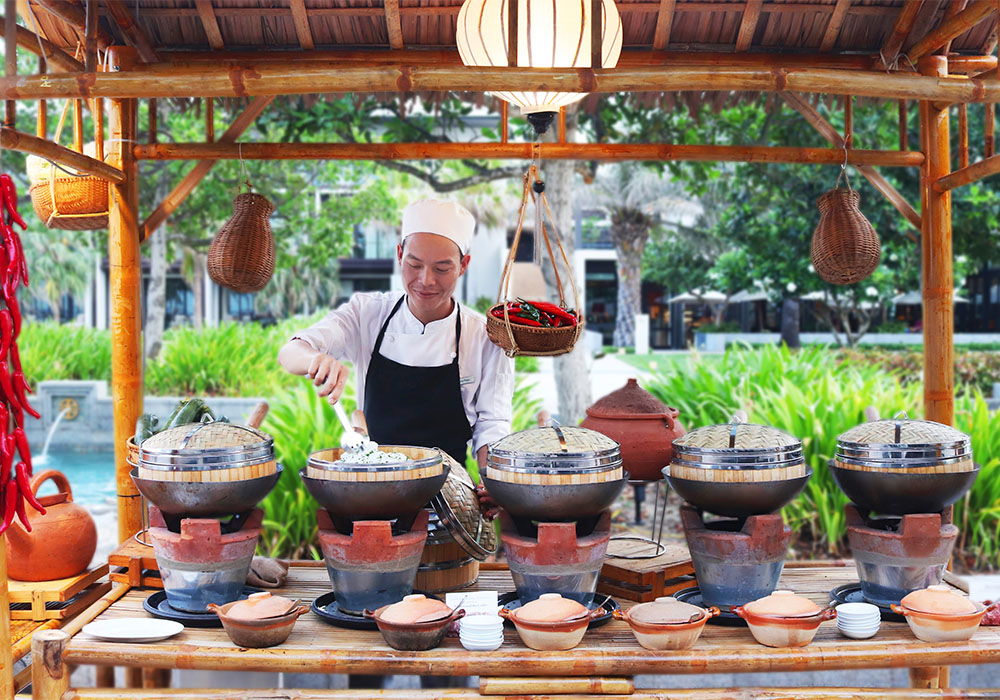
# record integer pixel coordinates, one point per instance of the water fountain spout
(44, 457)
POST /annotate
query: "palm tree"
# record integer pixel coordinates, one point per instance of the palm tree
(637, 198)
(59, 262)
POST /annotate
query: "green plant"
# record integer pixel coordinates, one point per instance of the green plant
(978, 513)
(54, 351)
(526, 364)
(301, 423)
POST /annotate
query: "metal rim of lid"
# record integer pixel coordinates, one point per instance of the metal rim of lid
(458, 531)
(900, 421)
(906, 465)
(965, 444)
(338, 466)
(733, 458)
(886, 453)
(738, 467)
(152, 466)
(200, 460)
(535, 465)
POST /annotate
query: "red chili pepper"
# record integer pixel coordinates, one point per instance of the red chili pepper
(22, 514)
(556, 310)
(15, 310)
(10, 496)
(6, 386)
(8, 448)
(22, 447)
(15, 354)
(525, 321)
(24, 484)
(20, 389)
(10, 199)
(6, 332)
(21, 262)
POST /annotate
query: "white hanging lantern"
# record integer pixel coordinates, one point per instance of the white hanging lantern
(550, 34)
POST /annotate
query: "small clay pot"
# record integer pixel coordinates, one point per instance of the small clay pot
(941, 614)
(784, 619)
(61, 543)
(413, 636)
(554, 624)
(259, 633)
(664, 624)
(643, 425)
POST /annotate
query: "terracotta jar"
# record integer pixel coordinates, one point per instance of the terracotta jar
(61, 543)
(643, 425)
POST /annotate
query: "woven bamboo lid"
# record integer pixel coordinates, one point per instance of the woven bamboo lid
(736, 436)
(901, 431)
(199, 446)
(555, 450)
(457, 508)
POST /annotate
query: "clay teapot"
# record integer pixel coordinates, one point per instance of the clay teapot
(61, 543)
(643, 425)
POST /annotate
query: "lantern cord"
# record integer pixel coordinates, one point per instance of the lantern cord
(537, 188)
(243, 171)
(843, 170)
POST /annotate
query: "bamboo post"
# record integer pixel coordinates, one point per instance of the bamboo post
(936, 256)
(49, 674)
(104, 676)
(504, 126)
(988, 128)
(848, 121)
(152, 120)
(925, 677)
(78, 126)
(43, 113)
(6, 651)
(904, 132)
(10, 57)
(963, 135)
(209, 119)
(125, 277)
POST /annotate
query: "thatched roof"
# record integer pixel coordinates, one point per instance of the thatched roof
(827, 26)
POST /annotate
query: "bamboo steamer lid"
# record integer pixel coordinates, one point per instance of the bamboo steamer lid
(738, 452)
(421, 463)
(904, 445)
(214, 451)
(457, 509)
(555, 455)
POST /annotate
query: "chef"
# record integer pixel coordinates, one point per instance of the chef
(426, 371)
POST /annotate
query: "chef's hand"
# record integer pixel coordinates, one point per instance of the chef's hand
(489, 508)
(328, 376)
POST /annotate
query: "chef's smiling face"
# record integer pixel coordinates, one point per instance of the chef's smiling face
(431, 266)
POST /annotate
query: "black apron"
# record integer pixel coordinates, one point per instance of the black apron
(419, 406)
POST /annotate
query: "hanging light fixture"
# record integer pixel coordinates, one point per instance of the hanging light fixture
(550, 34)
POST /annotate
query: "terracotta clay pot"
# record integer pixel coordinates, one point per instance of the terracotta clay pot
(643, 425)
(61, 543)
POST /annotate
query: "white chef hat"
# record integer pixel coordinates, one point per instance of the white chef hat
(442, 217)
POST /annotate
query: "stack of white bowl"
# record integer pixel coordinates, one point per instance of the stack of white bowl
(858, 620)
(481, 632)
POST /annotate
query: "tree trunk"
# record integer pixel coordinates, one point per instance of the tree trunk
(156, 296)
(790, 323)
(629, 244)
(199, 289)
(571, 370)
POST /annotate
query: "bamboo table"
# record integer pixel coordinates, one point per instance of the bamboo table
(604, 662)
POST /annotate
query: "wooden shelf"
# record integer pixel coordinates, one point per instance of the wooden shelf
(642, 580)
(55, 600)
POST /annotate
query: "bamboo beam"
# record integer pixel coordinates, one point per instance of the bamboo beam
(134, 34)
(954, 7)
(965, 20)
(76, 17)
(584, 685)
(504, 121)
(6, 652)
(26, 143)
(49, 672)
(963, 136)
(125, 283)
(300, 18)
(290, 79)
(748, 25)
(500, 151)
(969, 174)
(877, 181)
(90, 37)
(393, 24)
(833, 27)
(10, 59)
(199, 171)
(27, 39)
(440, 57)
(900, 30)
(972, 64)
(210, 24)
(936, 257)
(664, 23)
(474, 694)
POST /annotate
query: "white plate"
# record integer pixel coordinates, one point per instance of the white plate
(133, 629)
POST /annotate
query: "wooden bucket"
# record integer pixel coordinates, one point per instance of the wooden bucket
(445, 566)
(422, 462)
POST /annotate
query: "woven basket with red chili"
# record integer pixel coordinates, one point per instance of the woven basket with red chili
(15, 489)
(539, 314)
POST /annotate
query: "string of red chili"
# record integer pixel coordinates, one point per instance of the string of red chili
(15, 486)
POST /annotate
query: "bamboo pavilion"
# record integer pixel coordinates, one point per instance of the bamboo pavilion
(936, 56)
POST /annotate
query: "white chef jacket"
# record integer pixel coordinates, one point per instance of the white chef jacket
(486, 375)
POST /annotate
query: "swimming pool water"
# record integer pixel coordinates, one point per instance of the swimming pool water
(91, 475)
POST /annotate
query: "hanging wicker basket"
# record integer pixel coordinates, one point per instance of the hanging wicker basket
(845, 247)
(516, 339)
(241, 257)
(64, 200)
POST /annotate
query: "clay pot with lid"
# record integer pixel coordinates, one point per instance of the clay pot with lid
(666, 623)
(260, 621)
(784, 619)
(941, 614)
(551, 622)
(61, 543)
(416, 623)
(644, 425)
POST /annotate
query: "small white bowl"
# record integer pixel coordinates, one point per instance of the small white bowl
(491, 645)
(860, 633)
(484, 638)
(858, 611)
